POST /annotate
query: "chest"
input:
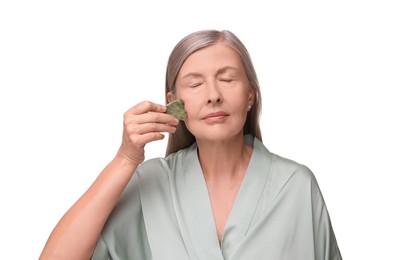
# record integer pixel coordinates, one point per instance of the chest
(222, 201)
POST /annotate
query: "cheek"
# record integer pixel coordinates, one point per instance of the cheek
(191, 103)
(242, 103)
(190, 108)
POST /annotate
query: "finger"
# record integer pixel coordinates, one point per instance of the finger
(143, 139)
(144, 107)
(153, 117)
(150, 128)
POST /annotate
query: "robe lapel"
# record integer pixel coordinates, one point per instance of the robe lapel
(194, 211)
(161, 223)
(245, 206)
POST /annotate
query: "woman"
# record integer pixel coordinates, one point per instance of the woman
(218, 193)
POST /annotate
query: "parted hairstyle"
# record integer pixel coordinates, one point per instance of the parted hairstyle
(183, 138)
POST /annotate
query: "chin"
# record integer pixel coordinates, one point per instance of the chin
(217, 135)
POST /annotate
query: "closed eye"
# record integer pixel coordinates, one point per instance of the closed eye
(194, 85)
(226, 80)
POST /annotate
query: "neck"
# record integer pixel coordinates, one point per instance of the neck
(222, 160)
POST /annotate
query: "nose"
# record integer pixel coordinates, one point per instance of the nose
(213, 94)
(218, 100)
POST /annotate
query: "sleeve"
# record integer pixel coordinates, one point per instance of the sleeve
(124, 234)
(101, 251)
(325, 243)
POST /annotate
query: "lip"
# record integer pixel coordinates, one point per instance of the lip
(216, 116)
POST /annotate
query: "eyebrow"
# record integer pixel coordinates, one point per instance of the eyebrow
(192, 74)
(226, 68)
(219, 71)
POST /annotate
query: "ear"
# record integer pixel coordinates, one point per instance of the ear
(251, 96)
(170, 97)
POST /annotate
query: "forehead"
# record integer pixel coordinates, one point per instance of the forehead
(211, 58)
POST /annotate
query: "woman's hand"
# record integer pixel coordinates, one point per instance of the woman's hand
(144, 123)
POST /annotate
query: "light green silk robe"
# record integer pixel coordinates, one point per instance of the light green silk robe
(165, 213)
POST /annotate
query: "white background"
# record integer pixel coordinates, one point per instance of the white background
(334, 77)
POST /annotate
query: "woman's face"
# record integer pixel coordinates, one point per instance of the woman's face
(216, 91)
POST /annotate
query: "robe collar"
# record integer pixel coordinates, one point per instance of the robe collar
(198, 228)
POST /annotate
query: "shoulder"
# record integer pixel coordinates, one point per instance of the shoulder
(294, 177)
(282, 170)
(162, 166)
(291, 168)
(281, 166)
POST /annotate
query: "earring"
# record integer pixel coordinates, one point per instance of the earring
(249, 107)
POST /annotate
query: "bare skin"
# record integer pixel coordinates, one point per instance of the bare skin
(81, 226)
(224, 167)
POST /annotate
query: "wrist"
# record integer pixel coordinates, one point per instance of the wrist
(126, 161)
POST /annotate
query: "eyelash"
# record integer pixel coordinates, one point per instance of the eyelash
(226, 80)
(195, 85)
(222, 80)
